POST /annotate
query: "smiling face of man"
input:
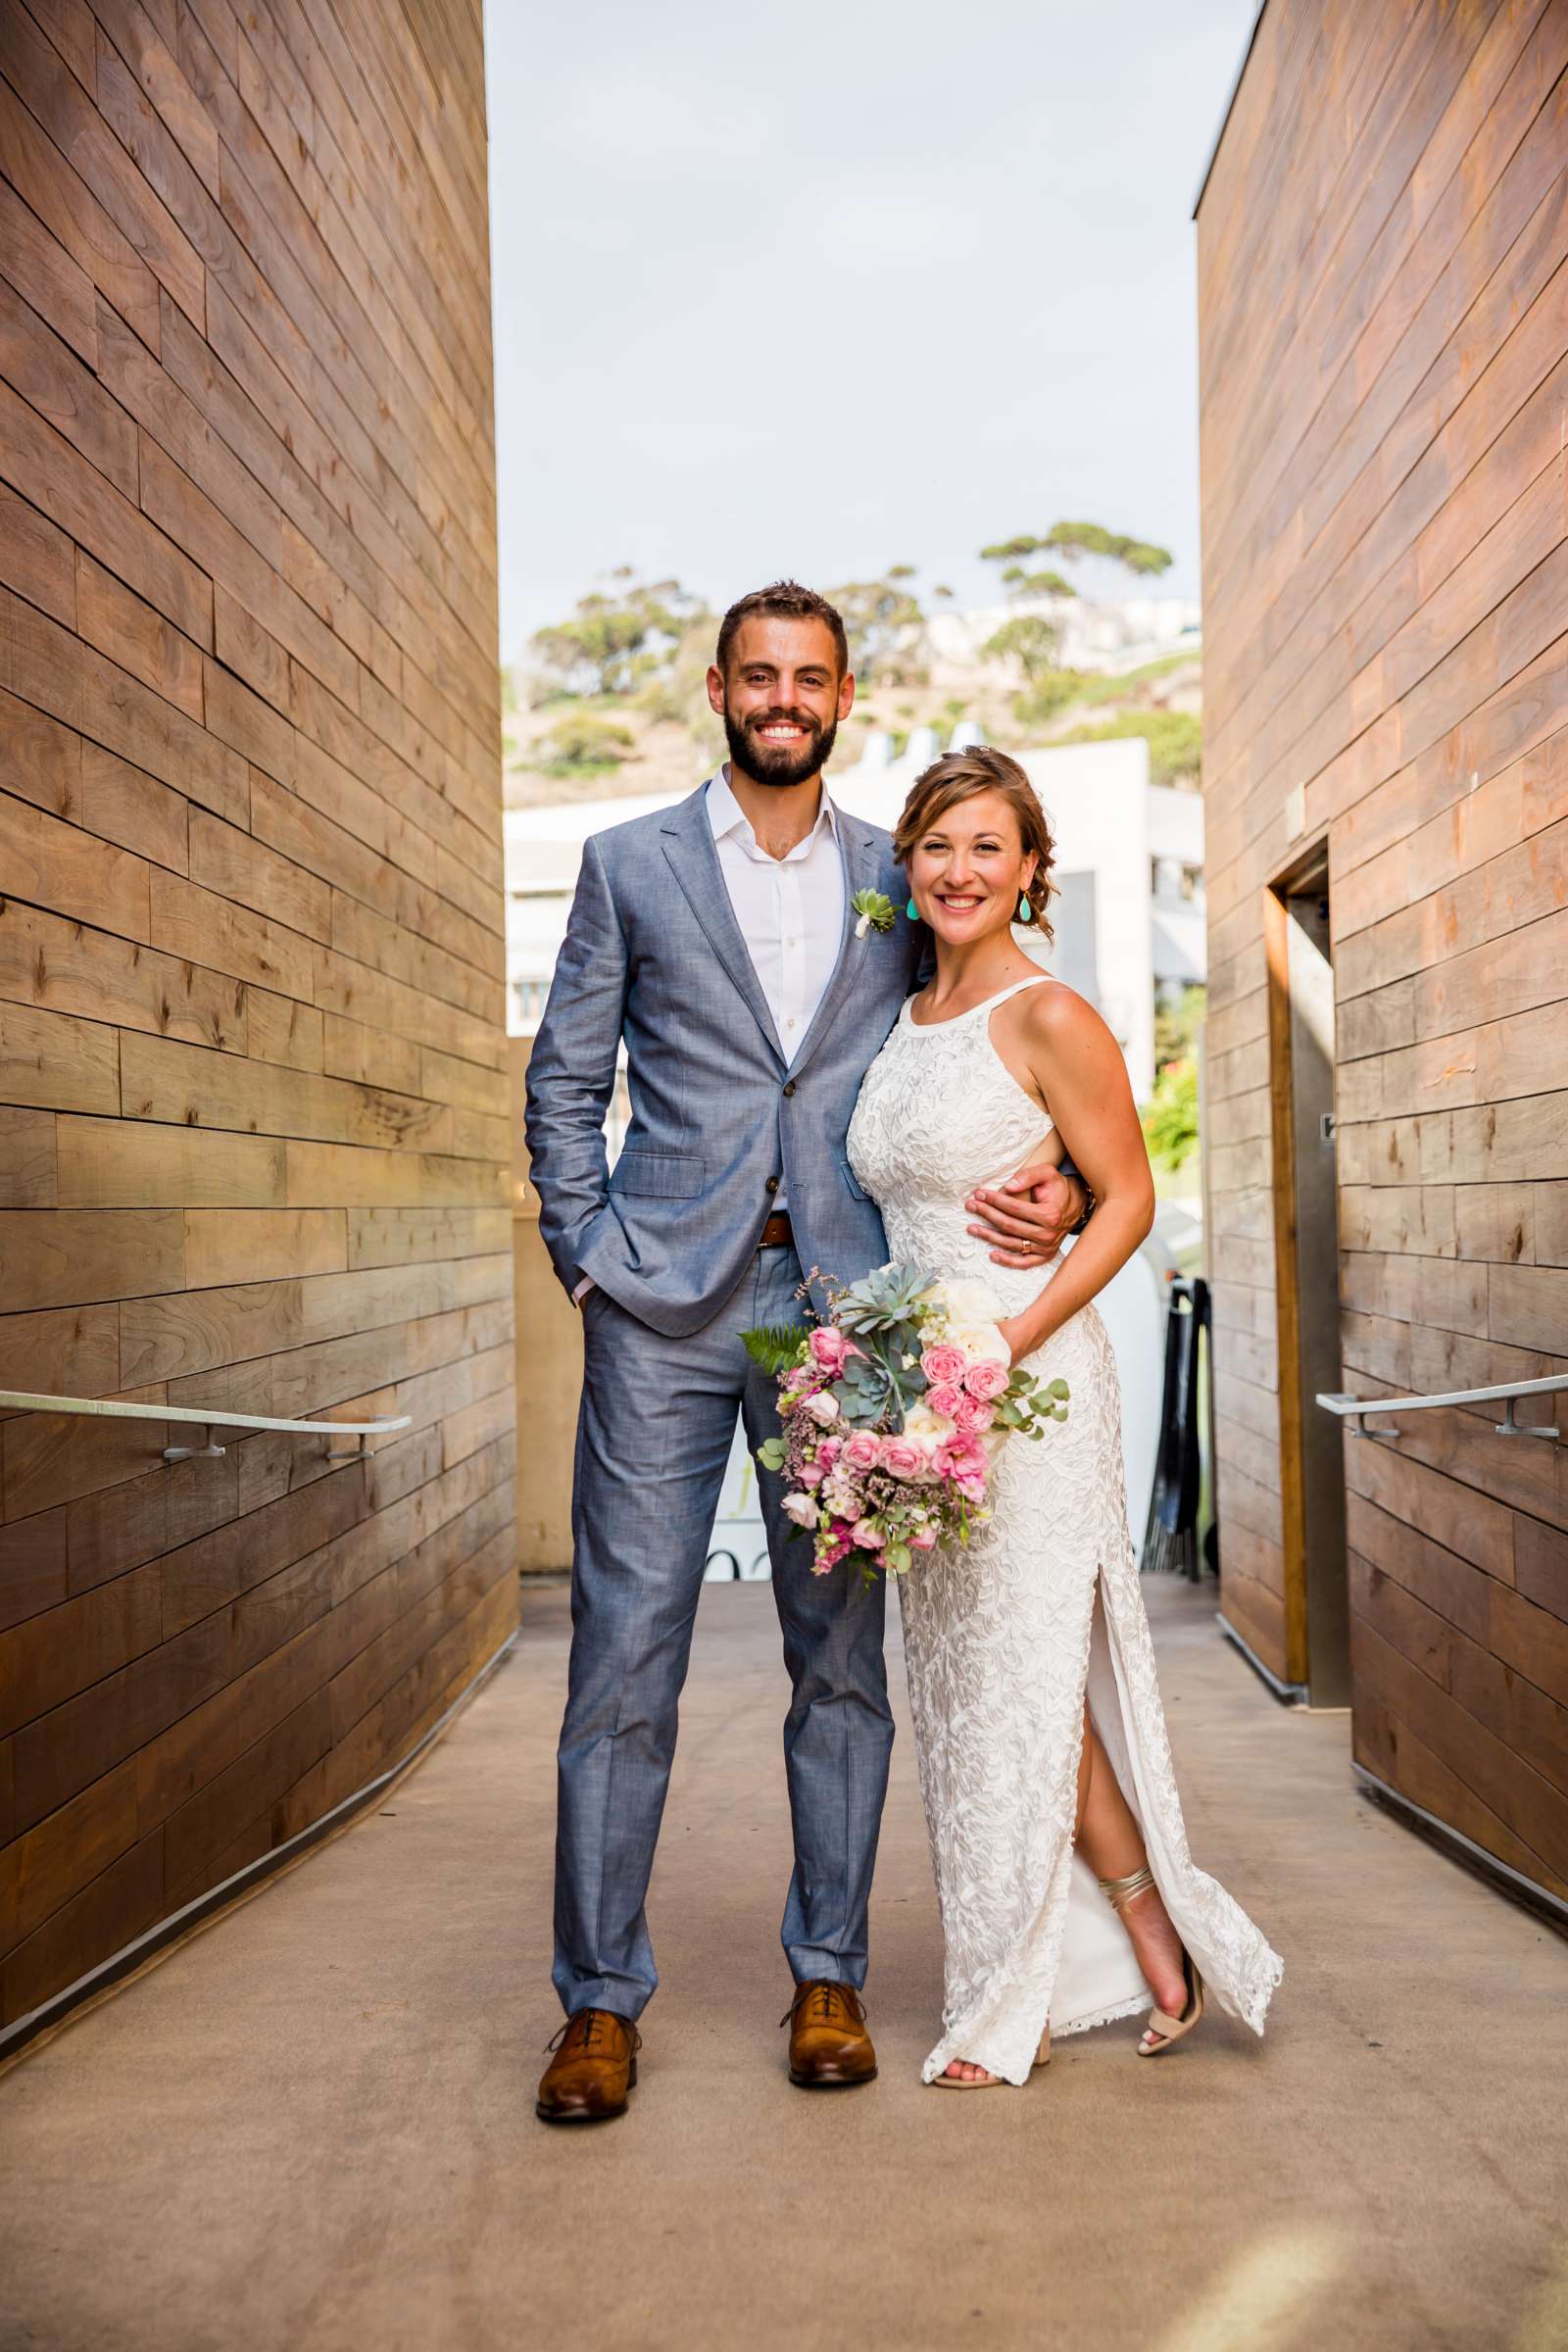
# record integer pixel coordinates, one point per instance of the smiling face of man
(781, 698)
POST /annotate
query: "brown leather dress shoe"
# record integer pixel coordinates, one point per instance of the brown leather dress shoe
(830, 2048)
(594, 2067)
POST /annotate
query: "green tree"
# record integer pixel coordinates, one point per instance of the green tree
(1179, 1023)
(885, 625)
(1170, 1115)
(1028, 639)
(1073, 541)
(612, 643)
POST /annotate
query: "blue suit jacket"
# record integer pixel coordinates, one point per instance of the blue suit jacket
(653, 955)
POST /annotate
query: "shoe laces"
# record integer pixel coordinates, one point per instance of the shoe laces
(828, 1993)
(582, 2032)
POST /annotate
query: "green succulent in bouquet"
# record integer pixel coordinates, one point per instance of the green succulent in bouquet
(881, 1313)
(883, 1301)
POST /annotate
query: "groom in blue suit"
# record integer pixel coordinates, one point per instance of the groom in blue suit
(721, 943)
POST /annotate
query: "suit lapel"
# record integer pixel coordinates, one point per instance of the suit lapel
(861, 868)
(689, 846)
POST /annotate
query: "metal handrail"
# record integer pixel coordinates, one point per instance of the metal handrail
(202, 1416)
(1355, 1409)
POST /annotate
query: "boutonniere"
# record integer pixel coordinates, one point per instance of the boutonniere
(874, 910)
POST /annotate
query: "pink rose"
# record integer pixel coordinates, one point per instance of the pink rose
(921, 1538)
(821, 1407)
(828, 1348)
(943, 1399)
(867, 1534)
(986, 1379)
(811, 1474)
(862, 1450)
(943, 1361)
(974, 1415)
(961, 1456)
(827, 1451)
(901, 1457)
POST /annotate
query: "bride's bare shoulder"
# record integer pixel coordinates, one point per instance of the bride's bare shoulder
(1057, 1021)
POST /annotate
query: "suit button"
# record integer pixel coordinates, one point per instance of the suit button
(771, 1185)
(789, 1086)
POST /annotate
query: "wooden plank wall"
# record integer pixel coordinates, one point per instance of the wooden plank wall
(1383, 250)
(254, 1099)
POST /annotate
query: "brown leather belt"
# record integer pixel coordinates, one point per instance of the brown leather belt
(777, 1231)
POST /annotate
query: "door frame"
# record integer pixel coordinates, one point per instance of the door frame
(1294, 1404)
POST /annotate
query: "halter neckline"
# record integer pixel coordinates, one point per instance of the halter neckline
(986, 1004)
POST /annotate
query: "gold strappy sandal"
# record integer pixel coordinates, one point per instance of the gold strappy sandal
(1119, 1892)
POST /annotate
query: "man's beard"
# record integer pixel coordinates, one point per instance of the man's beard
(775, 762)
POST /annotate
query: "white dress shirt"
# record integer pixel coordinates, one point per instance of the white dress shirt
(790, 909)
(790, 915)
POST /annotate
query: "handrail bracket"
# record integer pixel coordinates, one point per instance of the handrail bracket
(1510, 1426)
(193, 1453)
(1362, 1427)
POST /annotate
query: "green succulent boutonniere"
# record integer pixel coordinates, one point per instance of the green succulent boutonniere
(874, 910)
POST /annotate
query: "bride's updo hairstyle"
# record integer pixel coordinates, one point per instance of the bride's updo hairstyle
(961, 775)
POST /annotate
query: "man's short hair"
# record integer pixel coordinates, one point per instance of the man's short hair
(788, 601)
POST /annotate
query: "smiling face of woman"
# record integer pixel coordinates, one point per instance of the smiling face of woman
(968, 867)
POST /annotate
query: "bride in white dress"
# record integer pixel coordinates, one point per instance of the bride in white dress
(1068, 1896)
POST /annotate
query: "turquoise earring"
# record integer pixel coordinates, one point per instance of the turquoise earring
(912, 910)
(1025, 911)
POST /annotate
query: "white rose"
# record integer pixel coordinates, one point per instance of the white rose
(969, 1301)
(981, 1340)
(822, 1407)
(801, 1508)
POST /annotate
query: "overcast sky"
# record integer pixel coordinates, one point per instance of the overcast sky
(819, 289)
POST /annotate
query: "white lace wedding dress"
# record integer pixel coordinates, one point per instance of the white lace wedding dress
(1004, 1636)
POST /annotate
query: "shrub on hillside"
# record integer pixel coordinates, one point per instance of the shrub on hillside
(582, 745)
(1175, 740)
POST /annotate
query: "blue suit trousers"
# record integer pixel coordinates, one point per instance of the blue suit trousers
(654, 1436)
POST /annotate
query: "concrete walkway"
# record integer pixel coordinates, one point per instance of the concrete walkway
(311, 2128)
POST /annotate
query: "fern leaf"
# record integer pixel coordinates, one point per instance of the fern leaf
(774, 1346)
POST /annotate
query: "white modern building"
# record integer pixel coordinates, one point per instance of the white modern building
(1129, 919)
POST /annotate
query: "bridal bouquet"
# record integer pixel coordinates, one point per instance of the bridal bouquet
(894, 1407)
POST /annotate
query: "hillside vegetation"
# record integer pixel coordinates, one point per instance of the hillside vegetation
(613, 700)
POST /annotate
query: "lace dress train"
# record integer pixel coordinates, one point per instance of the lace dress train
(1005, 1637)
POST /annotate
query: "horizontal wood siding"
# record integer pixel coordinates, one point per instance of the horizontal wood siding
(1383, 254)
(254, 1094)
